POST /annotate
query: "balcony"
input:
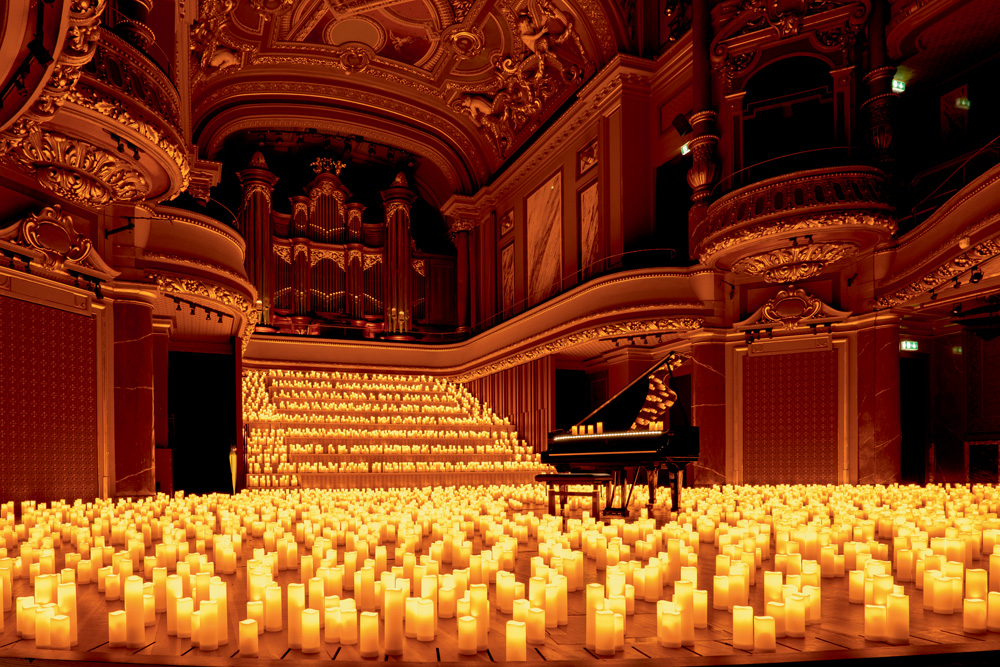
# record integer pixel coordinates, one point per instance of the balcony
(792, 226)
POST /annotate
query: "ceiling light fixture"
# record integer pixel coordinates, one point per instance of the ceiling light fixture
(976, 276)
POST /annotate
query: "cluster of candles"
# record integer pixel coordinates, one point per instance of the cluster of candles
(598, 428)
(378, 566)
(352, 439)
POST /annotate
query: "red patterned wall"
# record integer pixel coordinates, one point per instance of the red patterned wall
(48, 403)
(790, 418)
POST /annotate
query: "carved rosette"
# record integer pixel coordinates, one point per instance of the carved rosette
(464, 42)
(78, 49)
(789, 265)
(75, 170)
(418, 266)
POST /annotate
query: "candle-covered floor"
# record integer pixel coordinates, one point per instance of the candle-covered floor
(504, 529)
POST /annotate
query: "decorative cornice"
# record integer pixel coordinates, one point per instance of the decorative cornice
(941, 274)
(792, 309)
(198, 263)
(51, 236)
(560, 342)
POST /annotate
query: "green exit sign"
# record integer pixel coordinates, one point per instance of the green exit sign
(909, 345)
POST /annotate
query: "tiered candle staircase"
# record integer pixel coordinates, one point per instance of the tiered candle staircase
(329, 430)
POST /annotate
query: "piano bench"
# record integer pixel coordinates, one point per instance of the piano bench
(558, 483)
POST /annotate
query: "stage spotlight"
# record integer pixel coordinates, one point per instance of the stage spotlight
(933, 295)
(956, 309)
(976, 276)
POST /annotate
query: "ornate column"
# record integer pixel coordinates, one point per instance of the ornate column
(255, 225)
(398, 298)
(459, 233)
(702, 173)
(879, 82)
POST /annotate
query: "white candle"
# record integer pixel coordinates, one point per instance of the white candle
(776, 610)
(974, 615)
(875, 623)
(309, 630)
(348, 622)
(516, 641)
(369, 645)
(604, 639)
(536, 626)
(425, 620)
(208, 628)
(764, 634)
(272, 608)
(467, 635)
(897, 619)
(795, 616)
(135, 625)
(59, 632)
(296, 604)
(248, 636)
(993, 612)
(66, 595)
(743, 635)
(595, 602)
(255, 612)
(394, 606)
(116, 628)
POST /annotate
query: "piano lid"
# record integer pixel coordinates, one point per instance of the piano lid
(646, 399)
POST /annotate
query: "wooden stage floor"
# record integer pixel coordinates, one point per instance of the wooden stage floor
(934, 639)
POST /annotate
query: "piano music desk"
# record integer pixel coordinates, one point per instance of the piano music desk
(559, 482)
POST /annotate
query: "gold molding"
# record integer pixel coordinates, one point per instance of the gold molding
(78, 171)
(939, 275)
(795, 263)
(212, 292)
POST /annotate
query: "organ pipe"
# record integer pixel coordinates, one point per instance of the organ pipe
(398, 305)
(255, 226)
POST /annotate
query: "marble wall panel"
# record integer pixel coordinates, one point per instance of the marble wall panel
(879, 435)
(708, 412)
(544, 237)
(590, 246)
(507, 279)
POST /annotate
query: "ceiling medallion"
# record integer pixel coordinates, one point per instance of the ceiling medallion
(75, 170)
(269, 9)
(788, 265)
(464, 42)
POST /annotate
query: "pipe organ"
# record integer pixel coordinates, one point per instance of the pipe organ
(332, 273)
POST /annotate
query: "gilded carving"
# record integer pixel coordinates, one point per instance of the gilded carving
(78, 171)
(319, 254)
(392, 208)
(78, 49)
(522, 86)
(464, 42)
(300, 207)
(108, 107)
(300, 249)
(613, 330)
(940, 275)
(418, 266)
(327, 164)
(371, 260)
(353, 255)
(51, 232)
(209, 53)
(226, 297)
(269, 9)
(256, 188)
(788, 265)
(200, 263)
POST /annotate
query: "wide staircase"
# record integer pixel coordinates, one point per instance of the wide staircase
(330, 430)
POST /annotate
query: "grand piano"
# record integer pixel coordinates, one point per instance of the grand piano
(632, 439)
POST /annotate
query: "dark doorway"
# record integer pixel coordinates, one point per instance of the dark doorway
(572, 397)
(914, 416)
(201, 401)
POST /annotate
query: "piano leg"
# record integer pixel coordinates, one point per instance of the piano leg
(652, 477)
(677, 480)
(552, 500)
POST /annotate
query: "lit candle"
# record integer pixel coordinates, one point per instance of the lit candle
(700, 608)
(516, 641)
(59, 632)
(795, 616)
(331, 619)
(604, 639)
(668, 624)
(467, 636)
(974, 615)
(272, 608)
(369, 646)
(393, 609)
(348, 622)
(255, 612)
(248, 636)
(208, 628)
(536, 626)
(743, 635)
(425, 620)
(720, 598)
(875, 623)
(764, 634)
(135, 625)
(116, 628)
(993, 612)
(943, 589)
(595, 602)
(856, 586)
(776, 610)
(897, 619)
(976, 584)
(43, 624)
(309, 630)
(66, 596)
(480, 608)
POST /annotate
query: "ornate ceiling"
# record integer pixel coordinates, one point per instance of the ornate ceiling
(462, 84)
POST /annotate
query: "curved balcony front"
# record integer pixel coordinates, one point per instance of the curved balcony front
(792, 226)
